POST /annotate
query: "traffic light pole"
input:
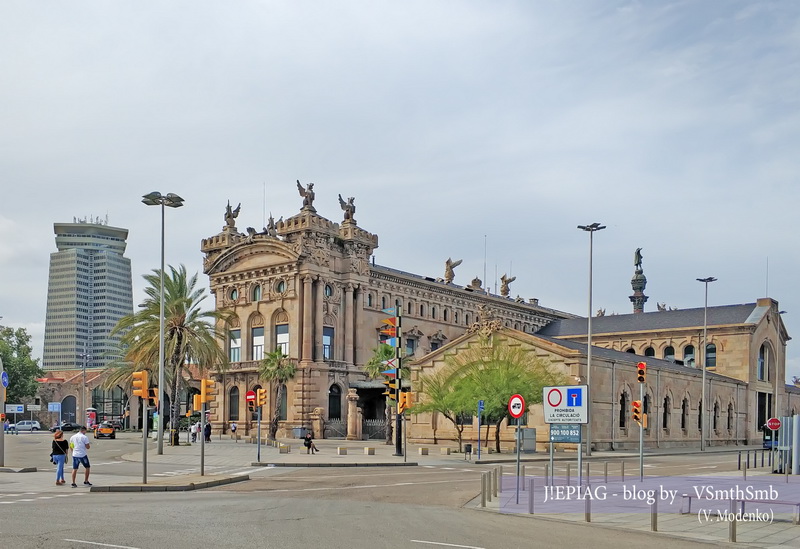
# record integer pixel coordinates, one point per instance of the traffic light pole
(258, 436)
(203, 440)
(398, 450)
(143, 404)
(641, 433)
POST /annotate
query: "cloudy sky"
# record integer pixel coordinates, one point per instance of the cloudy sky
(463, 129)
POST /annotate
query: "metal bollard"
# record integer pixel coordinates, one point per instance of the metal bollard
(588, 510)
(739, 465)
(744, 472)
(494, 482)
(732, 523)
(489, 485)
(588, 476)
(622, 471)
(500, 480)
(748, 459)
(568, 472)
(483, 489)
(523, 477)
(530, 497)
(547, 474)
(605, 472)
(762, 457)
(654, 516)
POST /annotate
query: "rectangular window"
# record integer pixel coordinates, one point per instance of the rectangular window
(257, 337)
(282, 338)
(327, 343)
(435, 345)
(411, 346)
(235, 345)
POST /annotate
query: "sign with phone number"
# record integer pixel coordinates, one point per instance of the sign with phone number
(565, 432)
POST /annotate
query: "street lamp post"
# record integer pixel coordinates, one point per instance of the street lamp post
(85, 356)
(703, 400)
(591, 229)
(155, 198)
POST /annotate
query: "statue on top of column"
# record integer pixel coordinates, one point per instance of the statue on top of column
(308, 196)
(637, 259)
(349, 208)
(449, 272)
(504, 282)
(231, 215)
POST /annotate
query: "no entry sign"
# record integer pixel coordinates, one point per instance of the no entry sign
(250, 396)
(516, 406)
(773, 424)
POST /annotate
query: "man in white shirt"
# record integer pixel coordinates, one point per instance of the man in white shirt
(79, 444)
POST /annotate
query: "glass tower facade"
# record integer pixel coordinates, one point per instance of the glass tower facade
(89, 289)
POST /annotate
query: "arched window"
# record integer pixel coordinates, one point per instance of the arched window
(234, 294)
(730, 417)
(233, 404)
(235, 345)
(665, 413)
(280, 287)
(669, 353)
(68, 409)
(631, 351)
(646, 408)
(763, 363)
(410, 307)
(688, 355)
(623, 410)
(369, 300)
(282, 338)
(256, 293)
(328, 333)
(700, 416)
(455, 317)
(328, 290)
(282, 409)
(433, 313)
(383, 302)
(257, 342)
(711, 356)
(715, 417)
(649, 352)
(466, 319)
(445, 315)
(335, 402)
(685, 413)
(421, 310)
(398, 305)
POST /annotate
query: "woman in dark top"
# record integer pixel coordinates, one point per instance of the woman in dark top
(59, 453)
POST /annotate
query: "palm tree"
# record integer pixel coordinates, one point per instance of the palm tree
(190, 335)
(277, 368)
(374, 369)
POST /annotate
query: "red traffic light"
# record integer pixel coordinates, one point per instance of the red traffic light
(641, 372)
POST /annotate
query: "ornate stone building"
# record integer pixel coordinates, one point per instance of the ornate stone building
(306, 285)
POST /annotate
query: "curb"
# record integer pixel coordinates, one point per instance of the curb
(169, 487)
(350, 464)
(17, 469)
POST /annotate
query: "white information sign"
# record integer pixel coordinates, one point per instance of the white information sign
(567, 404)
(15, 408)
(34, 407)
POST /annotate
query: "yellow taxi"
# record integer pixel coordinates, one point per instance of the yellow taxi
(104, 429)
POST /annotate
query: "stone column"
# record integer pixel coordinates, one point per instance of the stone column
(348, 324)
(318, 423)
(318, 308)
(353, 423)
(307, 332)
(357, 315)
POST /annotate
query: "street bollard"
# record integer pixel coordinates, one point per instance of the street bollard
(605, 472)
(494, 482)
(622, 471)
(732, 523)
(744, 472)
(588, 476)
(500, 480)
(654, 516)
(748, 459)
(483, 489)
(523, 477)
(547, 474)
(568, 472)
(588, 510)
(762, 457)
(739, 466)
(530, 498)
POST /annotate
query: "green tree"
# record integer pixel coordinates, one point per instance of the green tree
(495, 369)
(446, 393)
(277, 369)
(190, 335)
(15, 350)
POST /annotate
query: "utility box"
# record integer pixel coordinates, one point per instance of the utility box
(299, 432)
(528, 440)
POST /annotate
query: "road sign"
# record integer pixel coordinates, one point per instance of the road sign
(4, 378)
(15, 408)
(250, 396)
(565, 432)
(53, 406)
(773, 424)
(567, 404)
(516, 406)
(481, 406)
(34, 407)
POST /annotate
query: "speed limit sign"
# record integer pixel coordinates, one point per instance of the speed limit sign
(516, 406)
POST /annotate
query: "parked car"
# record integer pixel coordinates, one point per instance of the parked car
(104, 429)
(66, 426)
(26, 425)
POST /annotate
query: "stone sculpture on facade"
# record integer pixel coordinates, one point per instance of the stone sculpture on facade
(270, 229)
(349, 208)
(449, 272)
(231, 215)
(504, 282)
(308, 196)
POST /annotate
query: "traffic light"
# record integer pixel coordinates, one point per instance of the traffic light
(406, 401)
(140, 384)
(2, 417)
(197, 404)
(251, 405)
(261, 397)
(154, 396)
(636, 408)
(207, 390)
(641, 372)
(391, 388)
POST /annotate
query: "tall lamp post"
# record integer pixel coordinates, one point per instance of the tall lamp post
(591, 229)
(85, 356)
(172, 200)
(703, 400)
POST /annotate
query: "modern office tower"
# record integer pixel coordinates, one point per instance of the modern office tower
(89, 290)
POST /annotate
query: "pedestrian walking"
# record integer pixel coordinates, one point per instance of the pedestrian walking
(308, 442)
(207, 432)
(233, 431)
(194, 428)
(79, 444)
(6, 425)
(58, 455)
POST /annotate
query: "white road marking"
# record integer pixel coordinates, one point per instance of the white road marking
(445, 544)
(369, 486)
(100, 544)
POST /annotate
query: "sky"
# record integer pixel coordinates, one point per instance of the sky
(482, 131)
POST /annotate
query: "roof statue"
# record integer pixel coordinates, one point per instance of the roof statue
(449, 273)
(504, 282)
(661, 306)
(637, 259)
(231, 215)
(308, 196)
(349, 208)
(601, 312)
(270, 229)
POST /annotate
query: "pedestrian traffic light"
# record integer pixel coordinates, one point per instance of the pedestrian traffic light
(391, 388)
(641, 372)
(154, 396)
(406, 401)
(140, 384)
(207, 390)
(261, 397)
(251, 405)
(636, 408)
(197, 403)
(2, 417)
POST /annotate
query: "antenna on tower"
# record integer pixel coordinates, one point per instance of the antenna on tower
(484, 264)
(265, 203)
(767, 281)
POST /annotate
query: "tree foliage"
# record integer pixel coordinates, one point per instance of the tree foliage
(15, 351)
(277, 369)
(190, 335)
(446, 393)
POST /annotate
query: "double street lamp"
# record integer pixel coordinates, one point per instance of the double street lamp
(591, 229)
(172, 200)
(703, 356)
